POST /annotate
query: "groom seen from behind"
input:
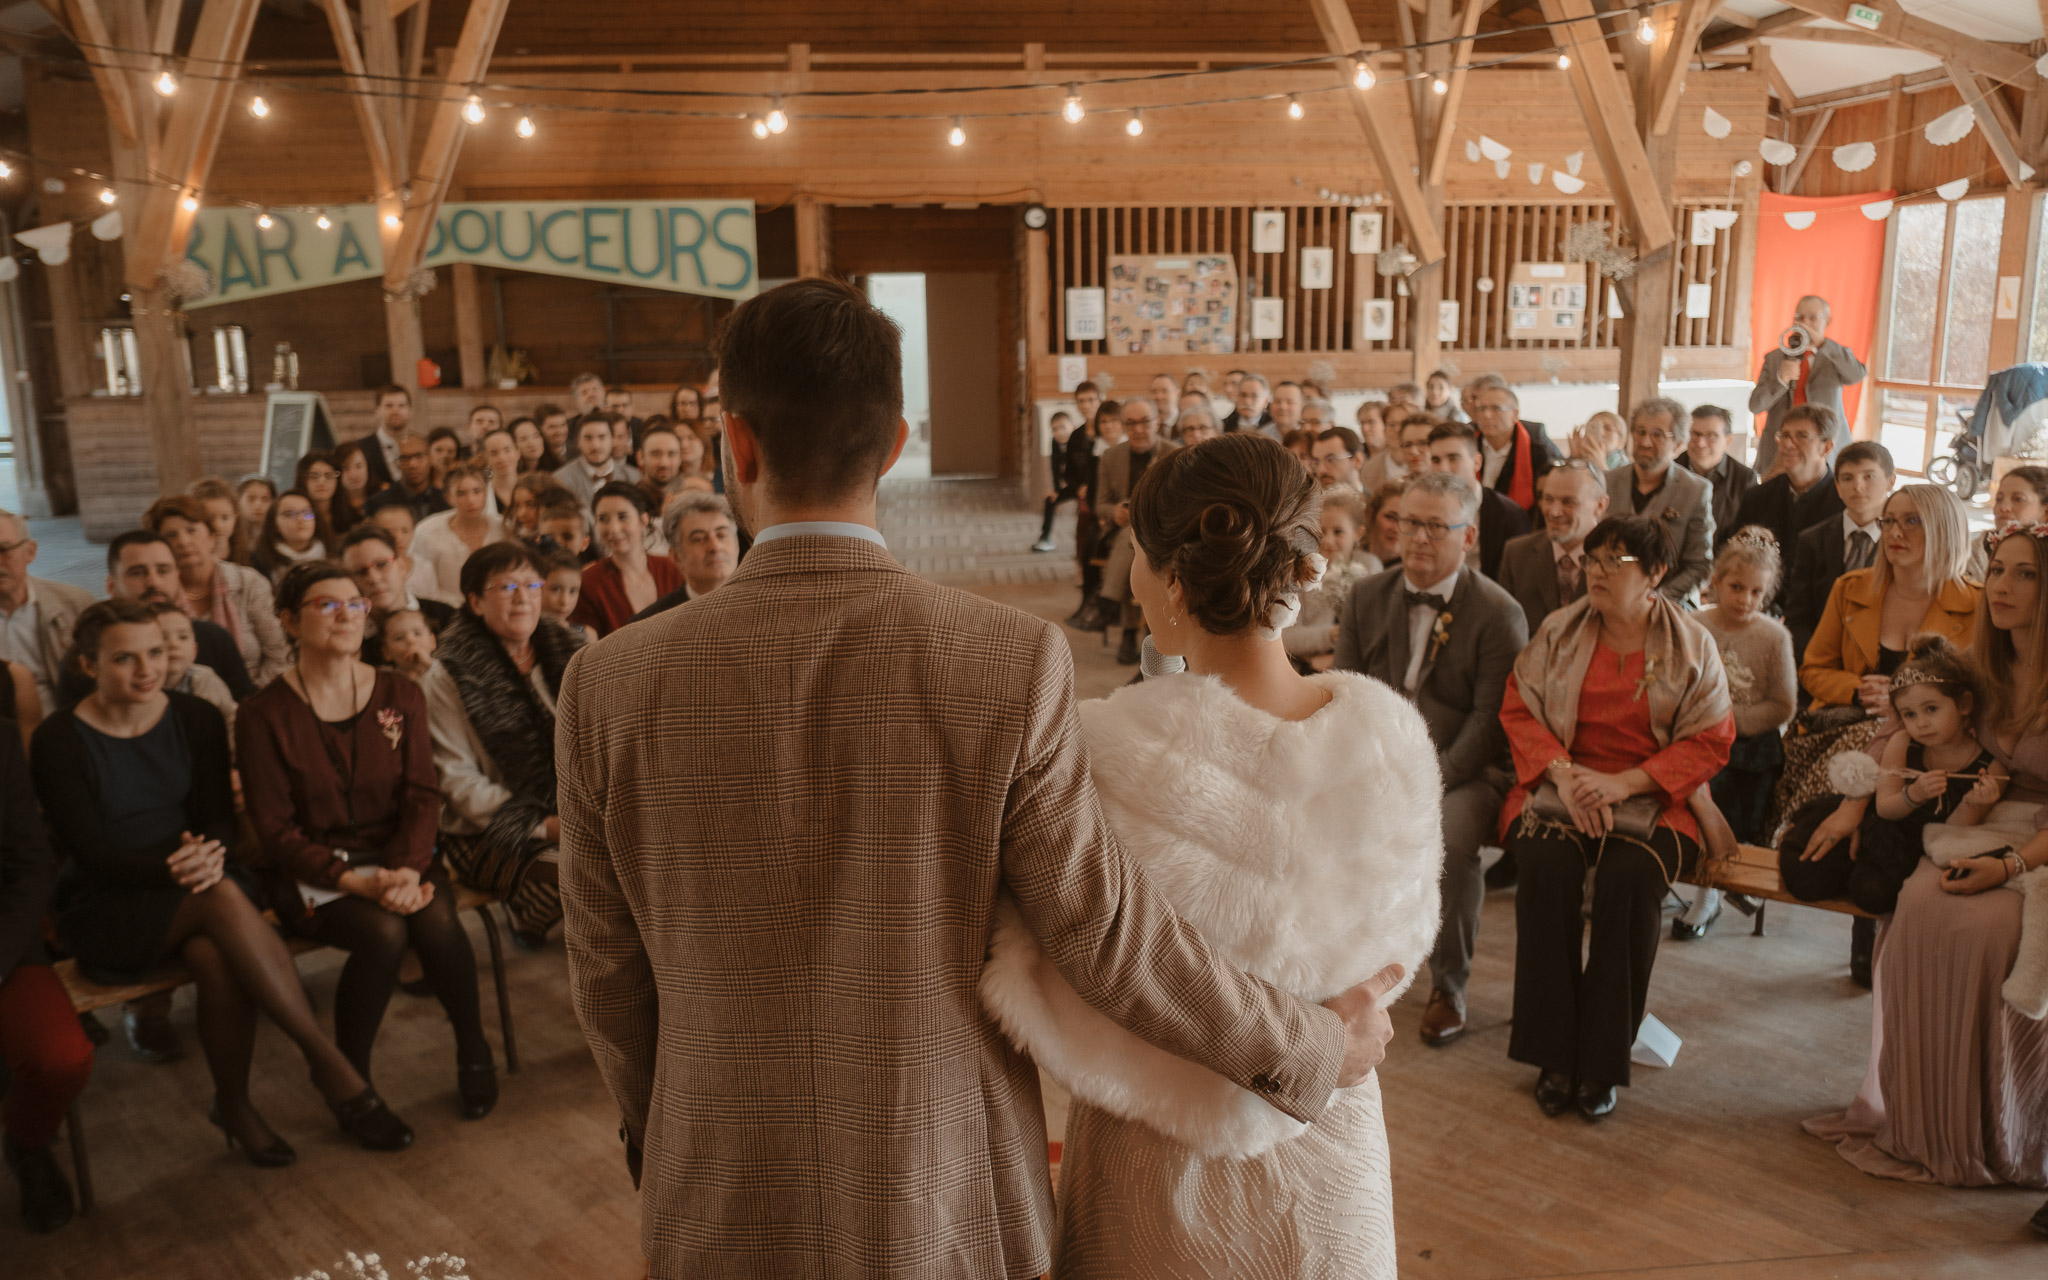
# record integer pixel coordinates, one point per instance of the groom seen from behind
(778, 975)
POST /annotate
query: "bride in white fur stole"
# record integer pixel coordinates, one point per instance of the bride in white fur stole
(1295, 822)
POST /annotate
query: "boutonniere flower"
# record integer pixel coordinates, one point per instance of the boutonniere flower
(1671, 513)
(392, 722)
(1648, 678)
(1439, 635)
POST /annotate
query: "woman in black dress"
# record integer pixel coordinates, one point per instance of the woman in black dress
(134, 783)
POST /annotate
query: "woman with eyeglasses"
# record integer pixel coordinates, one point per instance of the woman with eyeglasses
(1917, 586)
(491, 704)
(133, 780)
(1617, 715)
(627, 580)
(294, 533)
(338, 772)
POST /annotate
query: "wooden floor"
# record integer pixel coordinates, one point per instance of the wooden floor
(1702, 1174)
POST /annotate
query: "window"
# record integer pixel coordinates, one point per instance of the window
(2037, 327)
(1943, 281)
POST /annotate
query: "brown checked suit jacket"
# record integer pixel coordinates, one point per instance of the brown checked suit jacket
(787, 808)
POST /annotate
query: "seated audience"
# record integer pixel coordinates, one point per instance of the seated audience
(1285, 408)
(319, 478)
(594, 466)
(359, 483)
(1802, 494)
(1863, 480)
(338, 767)
(227, 595)
(1194, 382)
(397, 521)
(1454, 447)
(254, 495)
(1404, 456)
(554, 429)
(1514, 457)
(1447, 638)
(416, 489)
(684, 406)
(618, 402)
(407, 643)
(444, 450)
(140, 567)
(1372, 429)
(1545, 570)
(1916, 586)
(562, 587)
(534, 454)
(1338, 454)
(1166, 399)
(1122, 466)
(483, 419)
(1602, 440)
(1383, 524)
(383, 574)
(183, 672)
(500, 456)
(36, 614)
(1317, 416)
(134, 782)
(1253, 398)
(1756, 655)
(1957, 1087)
(1617, 714)
(2020, 497)
(1196, 424)
(565, 525)
(1706, 456)
(530, 496)
(661, 463)
(703, 542)
(295, 534)
(628, 579)
(491, 703)
(46, 1054)
(442, 542)
(1439, 398)
(1312, 639)
(1408, 395)
(1678, 502)
(222, 512)
(1301, 442)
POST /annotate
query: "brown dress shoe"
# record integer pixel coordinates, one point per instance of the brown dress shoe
(1443, 1021)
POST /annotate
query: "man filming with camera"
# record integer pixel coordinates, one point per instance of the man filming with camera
(1806, 368)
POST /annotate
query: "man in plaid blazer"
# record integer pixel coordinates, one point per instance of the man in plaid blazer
(778, 974)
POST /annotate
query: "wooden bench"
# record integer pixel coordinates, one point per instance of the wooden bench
(88, 996)
(1752, 874)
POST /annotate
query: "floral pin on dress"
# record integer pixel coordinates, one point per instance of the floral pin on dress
(1439, 635)
(392, 722)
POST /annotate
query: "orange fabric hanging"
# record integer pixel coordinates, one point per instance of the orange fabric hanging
(1840, 257)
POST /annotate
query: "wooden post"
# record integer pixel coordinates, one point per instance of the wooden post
(813, 237)
(402, 333)
(68, 329)
(1646, 300)
(469, 323)
(2008, 335)
(1036, 472)
(166, 388)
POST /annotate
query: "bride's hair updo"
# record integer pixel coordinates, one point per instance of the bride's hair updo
(1233, 520)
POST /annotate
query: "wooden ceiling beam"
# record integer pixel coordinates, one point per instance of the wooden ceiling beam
(1908, 32)
(163, 26)
(87, 26)
(2001, 131)
(1447, 122)
(368, 116)
(1340, 36)
(436, 167)
(1611, 123)
(1758, 28)
(1789, 184)
(1669, 78)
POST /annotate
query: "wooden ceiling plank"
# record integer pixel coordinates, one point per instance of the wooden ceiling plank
(367, 115)
(1758, 28)
(1797, 168)
(1908, 32)
(87, 25)
(1787, 100)
(1670, 77)
(445, 129)
(415, 63)
(2001, 131)
(163, 26)
(1340, 36)
(381, 57)
(1611, 124)
(1447, 122)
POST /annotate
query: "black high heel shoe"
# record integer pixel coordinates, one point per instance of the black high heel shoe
(276, 1155)
(366, 1119)
(1553, 1093)
(1595, 1100)
(477, 1084)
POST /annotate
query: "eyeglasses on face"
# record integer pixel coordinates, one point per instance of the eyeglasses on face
(295, 515)
(510, 590)
(1427, 530)
(1898, 524)
(1797, 437)
(1610, 563)
(332, 608)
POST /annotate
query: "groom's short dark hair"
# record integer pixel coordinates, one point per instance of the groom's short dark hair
(817, 372)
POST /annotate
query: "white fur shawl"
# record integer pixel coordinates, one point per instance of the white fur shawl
(2008, 825)
(1306, 852)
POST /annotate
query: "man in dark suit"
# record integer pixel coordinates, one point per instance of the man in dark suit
(1447, 638)
(1802, 494)
(394, 423)
(1675, 500)
(1706, 456)
(1514, 455)
(1253, 411)
(1825, 551)
(415, 488)
(1454, 447)
(1545, 570)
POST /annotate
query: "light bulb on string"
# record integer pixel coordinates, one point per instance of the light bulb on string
(473, 110)
(265, 221)
(956, 136)
(525, 127)
(1362, 76)
(1136, 125)
(760, 127)
(1071, 110)
(777, 121)
(6, 170)
(323, 222)
(189, 204)
(165, 84)
(391, 221)
(106, 195)
(1646, 27)
(258, 107)
(1294, 111)
(1564, 62)
(1439, 86)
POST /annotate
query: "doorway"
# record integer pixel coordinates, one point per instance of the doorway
(900, 295)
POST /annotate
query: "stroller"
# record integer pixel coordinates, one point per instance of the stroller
(2011, 417)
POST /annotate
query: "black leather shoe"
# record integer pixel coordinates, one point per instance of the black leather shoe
(1127, 648)
(151, 1037)
(275, 1154)
(1080, 615)
(1554, 1092)
(1862, 940)
(46, 1201)
(477, 1083)
(1502, 874)
(1686, 931)
(1595, 1100)
(366, 1119)
(2039, 1222)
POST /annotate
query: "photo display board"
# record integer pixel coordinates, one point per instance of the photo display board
(1172, 306)
(1548, 299)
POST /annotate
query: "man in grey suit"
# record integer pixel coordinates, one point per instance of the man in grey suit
(1546, 570)
(1815, 378)
(1123, 464)
(1674, 499)
(1447, 637)
(35, 613)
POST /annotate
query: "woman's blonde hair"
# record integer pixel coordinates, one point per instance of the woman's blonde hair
(1946, 530)
(1997, 658)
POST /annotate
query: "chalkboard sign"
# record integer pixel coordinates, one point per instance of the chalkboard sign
(295, 423)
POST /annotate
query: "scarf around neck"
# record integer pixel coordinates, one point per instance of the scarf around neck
(1682, 675)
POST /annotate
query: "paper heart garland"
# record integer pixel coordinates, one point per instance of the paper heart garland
(1951, 127)
(1573, 162)
(1535, 174)
(1855, 157)
(52, 243)
(1877, 210)
(1777, 151)
(1500, 168)
(1799, 219)
(1472, 151)
(1953, 190)
(1493, 150)
(1566, 183)
(1716, 124)
(107, 226)
(1718, 219)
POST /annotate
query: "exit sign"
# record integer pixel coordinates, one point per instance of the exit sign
(1865, 16)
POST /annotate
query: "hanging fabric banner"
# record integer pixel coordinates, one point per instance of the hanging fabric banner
(682, 246)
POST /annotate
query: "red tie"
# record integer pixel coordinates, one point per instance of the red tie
(1799, 387)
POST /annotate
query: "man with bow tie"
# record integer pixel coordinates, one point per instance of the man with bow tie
(1815, 378)
(1447, 637)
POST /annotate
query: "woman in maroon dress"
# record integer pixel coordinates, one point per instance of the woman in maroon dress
(627, 580)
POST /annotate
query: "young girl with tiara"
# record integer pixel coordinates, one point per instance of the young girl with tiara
(1756, 652)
